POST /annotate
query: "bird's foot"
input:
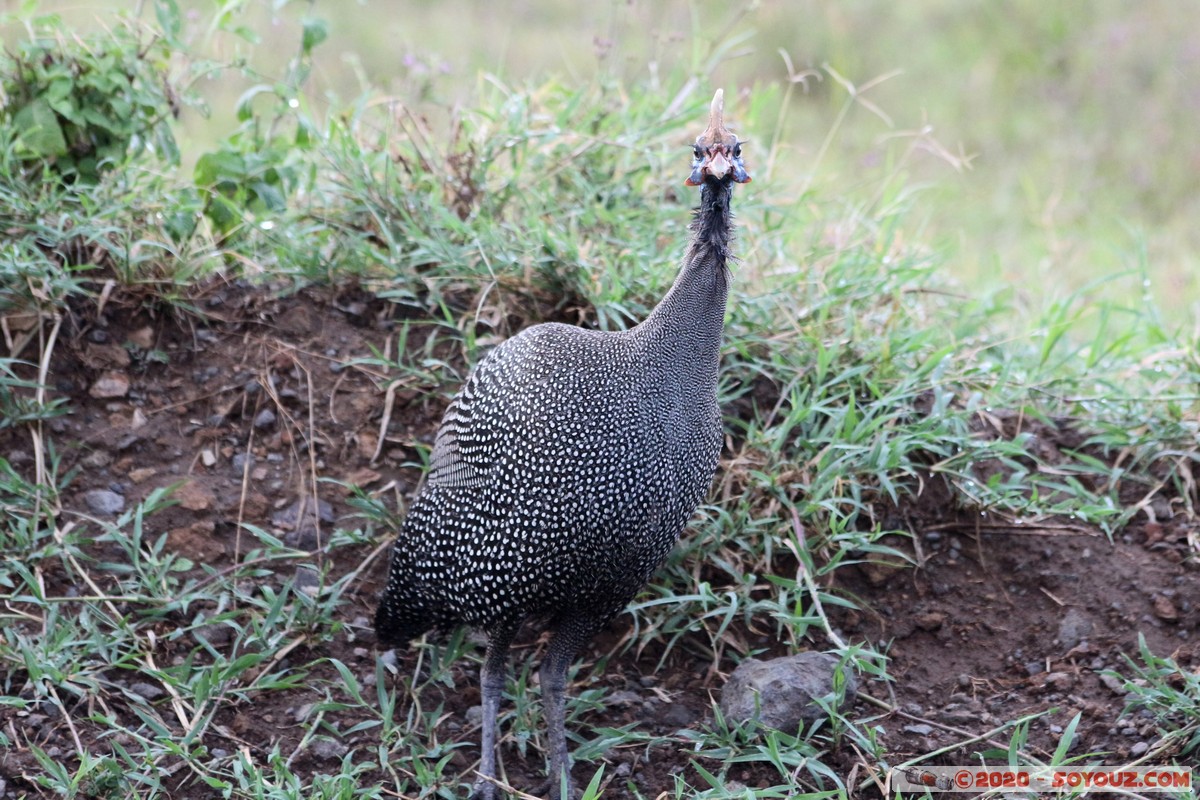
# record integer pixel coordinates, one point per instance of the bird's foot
(552, 790)
(483, 790)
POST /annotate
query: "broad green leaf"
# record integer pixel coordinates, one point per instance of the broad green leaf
(38, 127)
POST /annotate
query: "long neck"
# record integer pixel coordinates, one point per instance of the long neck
(712, 228)
(692, 314)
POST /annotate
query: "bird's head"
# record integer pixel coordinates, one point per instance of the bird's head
(717, 152)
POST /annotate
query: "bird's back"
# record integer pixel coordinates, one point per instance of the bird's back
(560, 479)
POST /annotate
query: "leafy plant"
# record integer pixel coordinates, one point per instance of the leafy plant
(82, 108)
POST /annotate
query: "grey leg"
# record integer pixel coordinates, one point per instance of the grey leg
(571, 636)
(491, 684)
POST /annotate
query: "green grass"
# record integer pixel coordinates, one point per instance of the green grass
(1054, 141)
(854, 368)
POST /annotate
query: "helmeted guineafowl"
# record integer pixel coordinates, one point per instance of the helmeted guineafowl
(566, 468)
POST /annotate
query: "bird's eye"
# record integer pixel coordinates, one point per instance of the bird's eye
(737, 150)
(696, 150)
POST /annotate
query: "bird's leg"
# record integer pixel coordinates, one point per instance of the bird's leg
(491, 682)
(572, 635)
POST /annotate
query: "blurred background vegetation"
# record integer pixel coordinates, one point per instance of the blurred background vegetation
(1056, 145)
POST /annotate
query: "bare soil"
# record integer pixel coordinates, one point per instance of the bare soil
(997, 621)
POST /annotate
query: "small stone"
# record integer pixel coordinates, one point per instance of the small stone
(301, 713)
(97, 459)
(110, 385)
(1113, 683)
(330, 749)
(103, 502)
(1074, 628)
(623, 697)
(147, 691)
(306, 581)
(1139, 748)
(1164, 609)
(677, 716)
(128, 440)
(240, 460)
(1059, 681)
(264, 419)
(880, 572)
(138, 420)
(216, 634)
(305, 511)
(961, 717)
(1034, 668)
(931, 621)
(208, 457)
(779, 693)
(919, 730)
(194, 497)
(474, 715)
(142, 338)
(141, 474)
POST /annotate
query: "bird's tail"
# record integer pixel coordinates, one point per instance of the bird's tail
(396, 625)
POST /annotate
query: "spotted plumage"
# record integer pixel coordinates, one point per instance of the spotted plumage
(567, 466)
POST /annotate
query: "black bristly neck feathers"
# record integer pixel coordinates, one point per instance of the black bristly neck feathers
(712, 227)
(692, 314)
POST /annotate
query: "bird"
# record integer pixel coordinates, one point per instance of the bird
(566, 468)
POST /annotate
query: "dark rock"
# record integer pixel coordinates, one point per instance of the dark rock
(306, 580)
(1074, 628)
(103, 502)
(677, 715)
(97, 459)
(1059, 681)
(215, 633)
(301, 714)
(330, 749)
(962, 717)
(779, 693)
(623, 697)
(1113, 683)
(264, 419)
(147, 691)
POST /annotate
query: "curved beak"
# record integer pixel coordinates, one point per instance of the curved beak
(717, 166)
